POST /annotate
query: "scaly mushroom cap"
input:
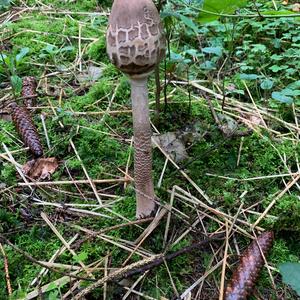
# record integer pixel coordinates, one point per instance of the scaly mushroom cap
(135, 40)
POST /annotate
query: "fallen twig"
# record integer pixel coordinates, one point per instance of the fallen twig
(144, 265)
(8, 285)
(37, 262)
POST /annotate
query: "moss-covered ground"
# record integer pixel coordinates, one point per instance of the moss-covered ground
(238, 67)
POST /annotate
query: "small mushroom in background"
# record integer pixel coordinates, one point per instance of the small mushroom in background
(135, 45)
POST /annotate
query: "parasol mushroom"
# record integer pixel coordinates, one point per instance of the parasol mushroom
(135, 45)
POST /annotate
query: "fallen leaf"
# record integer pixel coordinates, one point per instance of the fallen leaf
(92, 74)
(40, 168)
(296, 7)
(174, 146)
(228, 124)
(231, 87)
(253, 119)
(28, 166)
(177, 143)
(192, 133)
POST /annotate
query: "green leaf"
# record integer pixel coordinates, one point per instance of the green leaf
(67, 49)
(4, 3)
(276, 68)
(276, 43)
(3, 57)
(244, 76)
(240, 92)
(291, 275)
(213, 50)
(246, 68)
(259, 48)
(50, 49)
(51, 287)
(54, 295)
(21, 54)
(207, 65)
(188, 22)
(219, 7)
(81, 256)
(290, 92)
(295, 85)
(277, 57)
(192, 52)
(267, 84)
(176, 57)
(290, 71)
(279, 96)
(16, 83)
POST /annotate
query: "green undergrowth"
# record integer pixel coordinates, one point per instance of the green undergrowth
(259, 53)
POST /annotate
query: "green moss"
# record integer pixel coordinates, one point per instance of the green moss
(102, 141)
(288, 211)
(97, 50)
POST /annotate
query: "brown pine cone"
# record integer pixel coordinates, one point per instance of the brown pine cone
(251, 262)
(29, 91)
(26, 129)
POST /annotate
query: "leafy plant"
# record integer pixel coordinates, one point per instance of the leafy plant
(218, 7)
(291, 275)
(206, 51)
(289, 94)
(52, 52)
(4, 4)
(9, 65)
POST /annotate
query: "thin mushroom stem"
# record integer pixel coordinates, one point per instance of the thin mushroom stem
(142, 145)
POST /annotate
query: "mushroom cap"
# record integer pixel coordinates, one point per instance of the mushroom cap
(135, 39)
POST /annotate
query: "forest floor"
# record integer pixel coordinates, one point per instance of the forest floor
(225, 153)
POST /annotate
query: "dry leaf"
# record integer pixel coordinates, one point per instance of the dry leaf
(174, 146)
(296, 7)
(40, 168)
(253, 119)
(28, 166)
(231, 87)
(286, 2)
(228, 124)
(176, 143)
(91, 74)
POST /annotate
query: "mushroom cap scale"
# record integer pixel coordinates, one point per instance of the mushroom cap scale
(135, 39)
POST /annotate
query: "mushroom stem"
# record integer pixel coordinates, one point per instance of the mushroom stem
(142, 145)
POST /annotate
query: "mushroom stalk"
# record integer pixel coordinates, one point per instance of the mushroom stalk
(135, 45)
(142, 145)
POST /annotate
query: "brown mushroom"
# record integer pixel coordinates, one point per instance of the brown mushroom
(135, 45)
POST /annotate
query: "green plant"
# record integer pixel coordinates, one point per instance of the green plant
(53, 53)
(209, 55)
(4, 4)
(291, 275)
(9, 65)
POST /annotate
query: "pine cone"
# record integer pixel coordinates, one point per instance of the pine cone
(26, 129)
(251, 262)
(29, 91)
